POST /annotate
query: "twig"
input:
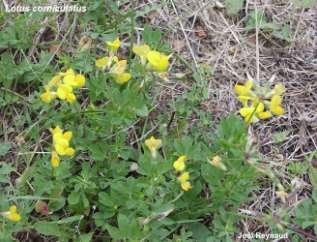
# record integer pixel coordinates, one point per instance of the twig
(257, 52)
(186, 38)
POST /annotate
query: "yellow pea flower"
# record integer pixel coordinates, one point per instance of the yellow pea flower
(153, 145)
(122, 78)
(102, 63)
(12, 214)
(278, 89)
(249, 114)
(65, 92)
(142, 51)
(186, 186)
(114, 45)
(105, 62)
(63, 84)
(179, 164)
(47, 96)
(276, 105)
(261, 113)
(259, 103)
(69, 77)
(217, 162)
(68, 135)
(80, 80)
(255, 112)
(119, 67)
(54, 81)
(61, 142)
(183, 177)
(56, 130)
(158, 61)
(244, 90)
(61, 146)
(118, 72)
(55, 160)
(73, 80)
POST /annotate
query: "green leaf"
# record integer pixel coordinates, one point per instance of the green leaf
(142, 111)
(85, 237)
(5, 170)
(152, 37)
(74, 197)
(234, 6)
(70, 219)
(124, 224)
(313, 177)
(283, 34)
(4, 148)
(48, 228)
(258, 18)
(114, 232)
(200, 232)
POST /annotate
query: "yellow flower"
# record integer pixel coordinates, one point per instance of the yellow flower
(256, 104)
(249, 114)
(105, 62)
(158, 61)
(118, 72)
(275, 105)
(153, 145)
(114, 45)
(244, 90)
(80, 80)
(217, 162)
(102, 63)
(61, 142)
(141, 50)
(122, 78)
(56, 130)
(278, 89)
(186, 186)
(73, 80)
(65, 92)
(55, 161)
(255, 112)
(184, 177)
(179, 164)
(63, 84)
(12, 214)
(55, 81)
(69, 77)
(47, 96)
(119, 67)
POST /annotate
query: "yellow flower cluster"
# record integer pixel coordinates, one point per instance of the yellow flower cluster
(180, 166)
(61, 86)
(258, 102)
(117, 68)
(158, 62)
(60, 145)
(12, 214)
